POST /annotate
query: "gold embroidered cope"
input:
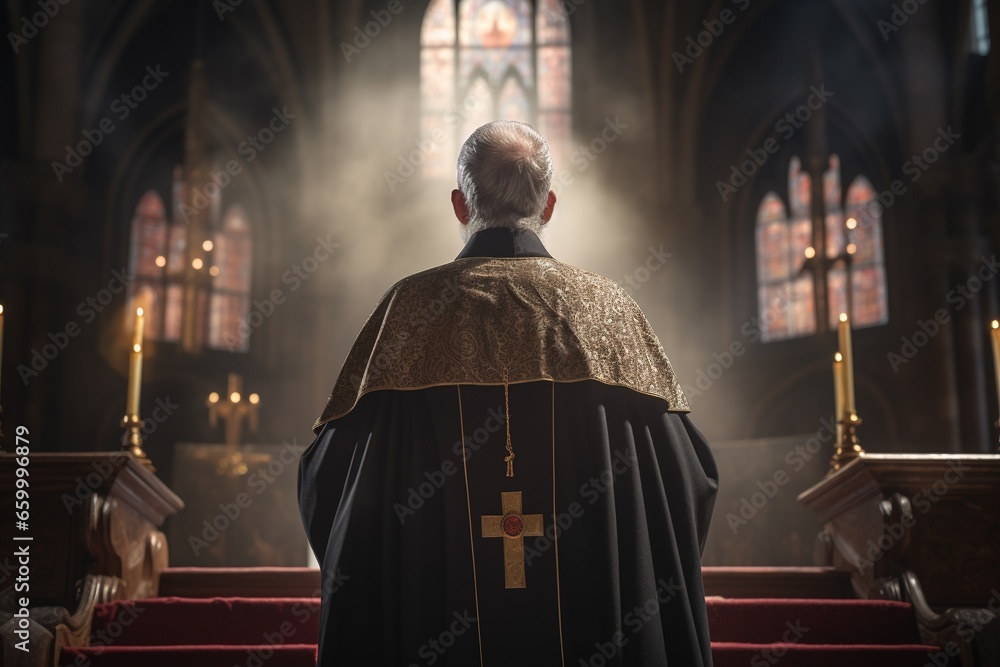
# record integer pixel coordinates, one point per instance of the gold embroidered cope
(513, 527)
(491, 321)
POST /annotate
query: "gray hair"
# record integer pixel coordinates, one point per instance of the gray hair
(504, 172)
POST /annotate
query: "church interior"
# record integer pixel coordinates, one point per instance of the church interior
(202, 200)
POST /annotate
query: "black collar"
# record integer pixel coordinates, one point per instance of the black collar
(504, 242)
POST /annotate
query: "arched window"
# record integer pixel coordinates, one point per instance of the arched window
(158, 259)
(484, 60)
(852, 231)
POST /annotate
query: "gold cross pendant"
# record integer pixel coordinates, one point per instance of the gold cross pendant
(513, 527)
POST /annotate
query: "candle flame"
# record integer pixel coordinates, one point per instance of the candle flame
(843, 317)
(137, 348)
(255, 399)
(235, 397)
(1, 309)
(213, 397)
(138, 311)
(996, 325)
(838, 357)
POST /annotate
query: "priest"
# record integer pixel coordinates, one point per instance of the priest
(505, 472)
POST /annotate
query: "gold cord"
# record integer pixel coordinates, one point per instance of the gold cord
(510, 448)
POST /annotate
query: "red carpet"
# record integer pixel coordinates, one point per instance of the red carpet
(281, 632)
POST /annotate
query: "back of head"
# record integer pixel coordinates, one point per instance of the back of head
(504, 173)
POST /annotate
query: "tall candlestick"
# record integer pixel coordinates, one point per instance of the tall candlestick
(995, 337)
(844, 336)
(135, 368)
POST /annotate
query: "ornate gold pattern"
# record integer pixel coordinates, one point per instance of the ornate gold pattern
(468, 321)
(532, 525)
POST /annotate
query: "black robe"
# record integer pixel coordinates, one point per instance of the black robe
(392, 494)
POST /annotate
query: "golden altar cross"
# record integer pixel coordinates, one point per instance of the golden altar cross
(513, 527)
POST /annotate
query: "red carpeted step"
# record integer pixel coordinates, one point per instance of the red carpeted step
(289, 655)
(819, 655)
(226, 621)
(812, 621)
(196, 632)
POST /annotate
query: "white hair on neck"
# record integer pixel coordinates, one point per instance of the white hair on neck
(504, 173)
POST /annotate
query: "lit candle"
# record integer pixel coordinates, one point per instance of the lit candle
(844, 336)
(139, 326)
(994, 336)
(135, 368)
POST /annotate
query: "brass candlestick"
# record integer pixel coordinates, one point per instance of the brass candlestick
(848, 446)
(132, 440)
(233, 409)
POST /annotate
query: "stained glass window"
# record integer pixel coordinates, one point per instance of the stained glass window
(484, 60)
(158, 258)
(786, 298)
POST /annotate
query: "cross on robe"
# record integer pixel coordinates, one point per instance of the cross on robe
(513, 527)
